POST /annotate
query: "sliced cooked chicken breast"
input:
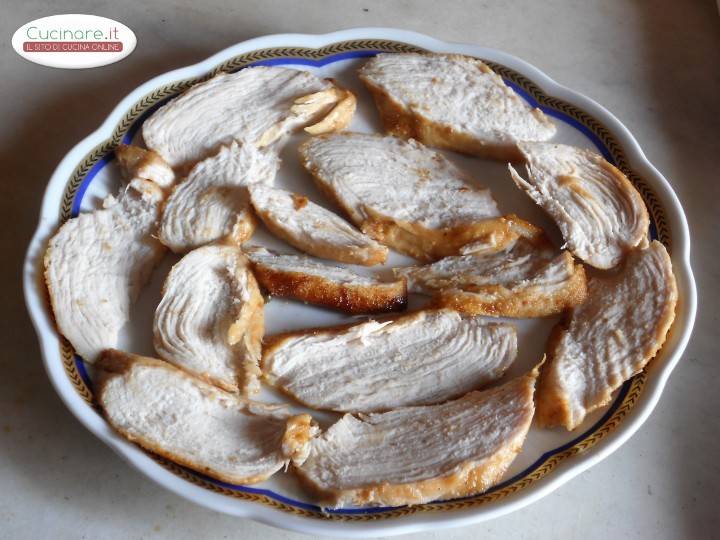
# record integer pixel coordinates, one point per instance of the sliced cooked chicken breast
(526, 279)
(256, 104)
(311, 281)
(613, 335)
(213, 204)
(557, 285)
(405, 195)
(518, 261)
(420, 358)
(97, 263)
(313, 229)
(210, 319)
(136, 162)
(452, 101)
(197, 425)
(342, 105)
(599, 212)
(415, 455)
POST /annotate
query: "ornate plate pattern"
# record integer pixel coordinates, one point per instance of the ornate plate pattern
(590, 125)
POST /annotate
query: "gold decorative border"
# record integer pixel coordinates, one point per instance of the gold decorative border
(68, 359)
(148, 101)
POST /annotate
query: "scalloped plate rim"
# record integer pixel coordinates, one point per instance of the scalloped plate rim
(562, 473)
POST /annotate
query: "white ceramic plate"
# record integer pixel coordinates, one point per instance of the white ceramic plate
(549, 458)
